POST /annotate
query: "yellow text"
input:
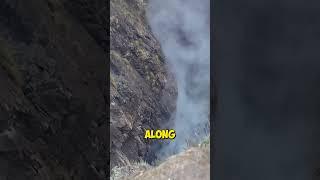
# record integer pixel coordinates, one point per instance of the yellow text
(160, 134)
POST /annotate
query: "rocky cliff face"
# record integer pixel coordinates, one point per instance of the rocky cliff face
(142, 90)
(53, 110)
(53, 89)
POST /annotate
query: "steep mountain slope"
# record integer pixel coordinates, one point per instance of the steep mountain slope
(142, 90)
(53, 89)
(193, 164)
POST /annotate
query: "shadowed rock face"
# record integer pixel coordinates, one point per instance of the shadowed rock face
(52, 89)
(142, 91)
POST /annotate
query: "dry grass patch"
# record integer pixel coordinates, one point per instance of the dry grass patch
(193, 164)
(133, 169)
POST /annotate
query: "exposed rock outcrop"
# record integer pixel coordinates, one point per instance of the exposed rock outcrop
(142, 90)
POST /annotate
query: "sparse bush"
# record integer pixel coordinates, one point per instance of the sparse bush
(194, 143)
(121, 173)
(200, 136)
(205, 142)
(191, 143)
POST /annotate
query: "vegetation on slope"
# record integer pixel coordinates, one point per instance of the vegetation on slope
(193, 163)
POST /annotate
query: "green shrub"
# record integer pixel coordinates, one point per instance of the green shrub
(205, 142)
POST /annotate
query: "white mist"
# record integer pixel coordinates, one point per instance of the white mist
(183, 29)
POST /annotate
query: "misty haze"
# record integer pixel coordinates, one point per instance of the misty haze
(183, 30)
